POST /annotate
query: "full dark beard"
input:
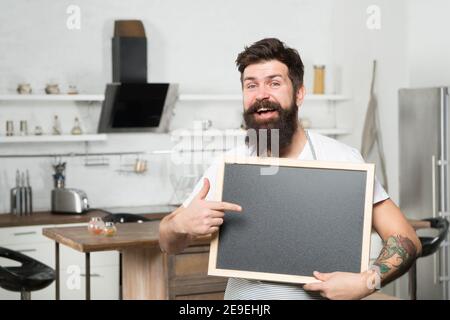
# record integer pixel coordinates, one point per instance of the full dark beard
(285, 126)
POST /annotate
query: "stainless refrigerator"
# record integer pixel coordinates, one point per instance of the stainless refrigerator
(424, 181)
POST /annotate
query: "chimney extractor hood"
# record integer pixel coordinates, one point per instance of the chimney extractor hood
(131, 104)
(138, 107)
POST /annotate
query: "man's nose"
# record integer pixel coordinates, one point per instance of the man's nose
(262, 93)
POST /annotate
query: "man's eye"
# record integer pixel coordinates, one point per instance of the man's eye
(275, 84)
(251, 86)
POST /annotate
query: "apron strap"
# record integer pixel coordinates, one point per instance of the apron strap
(311, 146)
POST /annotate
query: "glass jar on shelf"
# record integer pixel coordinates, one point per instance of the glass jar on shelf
(319, 79)
(96, 225)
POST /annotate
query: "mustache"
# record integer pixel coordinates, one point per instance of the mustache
(263, 104)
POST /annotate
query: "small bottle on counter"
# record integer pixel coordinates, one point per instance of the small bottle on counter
(110, 229)
(96, 225)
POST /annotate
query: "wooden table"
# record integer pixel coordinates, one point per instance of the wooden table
(138, 243)
(143, 262)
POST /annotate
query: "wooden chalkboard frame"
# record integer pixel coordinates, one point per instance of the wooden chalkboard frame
(367, 224)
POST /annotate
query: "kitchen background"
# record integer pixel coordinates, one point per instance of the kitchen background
(195, 44)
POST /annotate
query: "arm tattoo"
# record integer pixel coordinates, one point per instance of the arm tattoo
(397, 255)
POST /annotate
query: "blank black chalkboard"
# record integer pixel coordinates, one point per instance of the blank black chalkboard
(308, 216)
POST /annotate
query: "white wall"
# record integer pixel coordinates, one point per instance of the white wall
(428, 43)
(193, 43)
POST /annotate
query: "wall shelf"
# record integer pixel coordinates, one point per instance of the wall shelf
(182, 97)
(52, 97)
(238, 97)
(209, 97)
(179, 134)
(56, 138)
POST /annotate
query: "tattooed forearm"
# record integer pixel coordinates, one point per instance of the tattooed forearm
(395, 258)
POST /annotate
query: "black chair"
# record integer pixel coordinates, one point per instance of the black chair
(123, 218)
(429, 246)
(32, 275)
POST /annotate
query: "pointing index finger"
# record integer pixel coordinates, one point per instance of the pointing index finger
(219, 205)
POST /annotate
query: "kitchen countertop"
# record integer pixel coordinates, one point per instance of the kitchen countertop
(153, 212)
(128, 235)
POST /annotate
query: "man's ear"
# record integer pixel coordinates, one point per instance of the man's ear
(301, 92)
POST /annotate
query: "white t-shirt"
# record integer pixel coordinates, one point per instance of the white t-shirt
(326, 149)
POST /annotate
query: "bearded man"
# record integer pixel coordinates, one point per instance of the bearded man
(273, 91)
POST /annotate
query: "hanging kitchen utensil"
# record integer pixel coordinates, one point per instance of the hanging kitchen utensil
(96, 161)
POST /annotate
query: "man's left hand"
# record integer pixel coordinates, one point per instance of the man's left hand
(343, 285)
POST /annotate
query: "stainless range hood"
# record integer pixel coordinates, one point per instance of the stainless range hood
(131, 104)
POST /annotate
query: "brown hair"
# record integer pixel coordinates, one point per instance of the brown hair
(273, 49)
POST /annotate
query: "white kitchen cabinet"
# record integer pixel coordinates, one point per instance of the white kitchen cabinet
(30, 241)
(18, 235)
(70, 257)
(104, 283)
(43, 252)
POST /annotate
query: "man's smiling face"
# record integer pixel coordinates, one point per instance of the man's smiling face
(267, 91)
(270, 102)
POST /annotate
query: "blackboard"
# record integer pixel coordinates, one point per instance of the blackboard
(298, 217)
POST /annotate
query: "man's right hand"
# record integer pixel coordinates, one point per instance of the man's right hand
(202, 217)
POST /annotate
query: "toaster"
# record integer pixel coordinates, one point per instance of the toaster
(67, 200)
